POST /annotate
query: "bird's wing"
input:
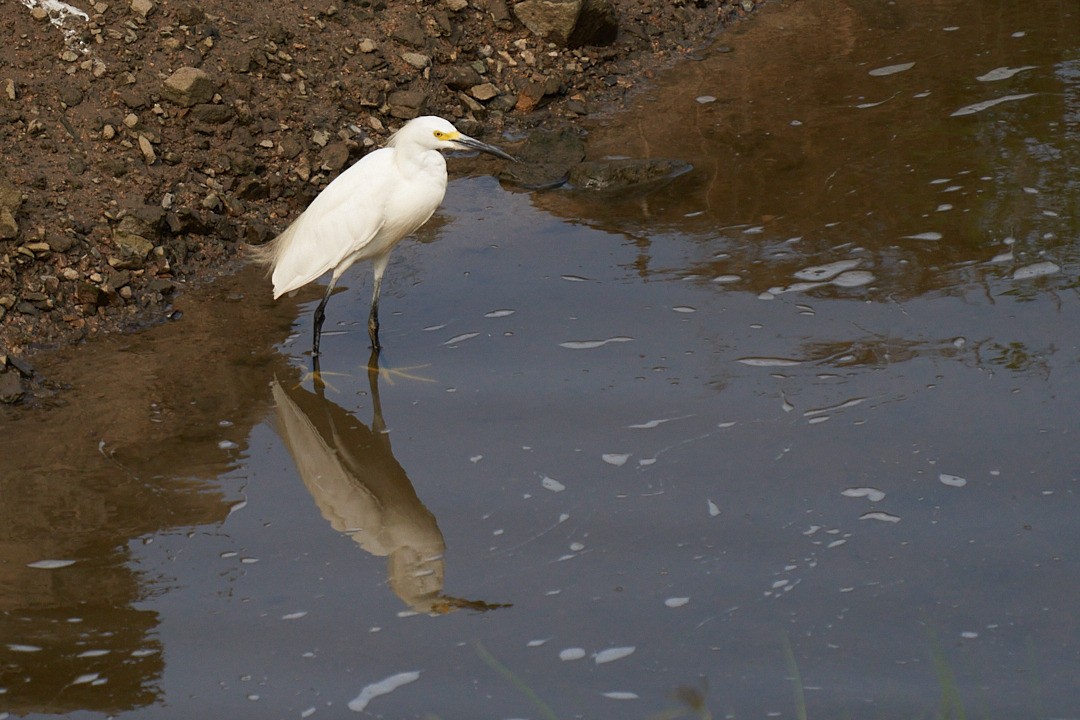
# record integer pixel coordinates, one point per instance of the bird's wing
(344, 219)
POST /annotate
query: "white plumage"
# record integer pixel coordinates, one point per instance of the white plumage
(365, 212)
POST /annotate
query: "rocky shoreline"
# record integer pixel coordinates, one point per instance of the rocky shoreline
(145, 141)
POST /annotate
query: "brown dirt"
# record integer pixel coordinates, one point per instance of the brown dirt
(124, 193)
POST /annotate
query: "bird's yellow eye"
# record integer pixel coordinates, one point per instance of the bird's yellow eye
(440, 135)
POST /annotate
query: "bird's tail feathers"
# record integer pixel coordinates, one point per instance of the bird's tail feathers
(261, 254)
(269, 252)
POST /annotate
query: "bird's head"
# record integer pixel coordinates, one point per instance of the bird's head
(434, 133)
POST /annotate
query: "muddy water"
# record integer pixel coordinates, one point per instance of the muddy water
(792, 435)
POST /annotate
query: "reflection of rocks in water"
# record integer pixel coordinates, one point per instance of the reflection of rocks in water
(623, 174)
(879, 351)
(553, 159)
(126, 452)
(351, 472)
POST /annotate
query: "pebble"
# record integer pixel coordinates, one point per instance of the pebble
(416, 60)
(147, 150)
(484, 91)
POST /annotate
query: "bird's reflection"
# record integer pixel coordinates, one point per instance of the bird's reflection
(351, 472)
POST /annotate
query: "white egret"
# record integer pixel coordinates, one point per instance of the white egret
(361, 215)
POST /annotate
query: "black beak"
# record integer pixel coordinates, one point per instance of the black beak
(468, 143)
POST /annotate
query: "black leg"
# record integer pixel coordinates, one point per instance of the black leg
(320, 315)
(373, 316)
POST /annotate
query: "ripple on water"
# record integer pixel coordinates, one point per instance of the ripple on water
(383, 687)
(550, 483)
(880, 516)
(1035, 270)
(769, 362)
(592, 344)
(1003, 73)
(952, 480)
(891, 69)
(871, 494)
(613, 654)
(853, 278)
(461, 338)
(825, 272)
(980, 106)
(50, 564)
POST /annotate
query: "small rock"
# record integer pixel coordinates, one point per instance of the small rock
(462, 77)
(210, 114)
(161, 285)
(484, 91)
(529, 97)
(417, 60)
(456, 5)
(251, 189)
(12, 388)
(147, 150)
(142, 8)
(406, 104)
(61, 242)
(500, 14)
(334, 156)
(9, 228)
(211, 202)
(38, 248)
(9, 88)
(290, 148)
(189, 86)
(70, 95)
(87, 293)
(130, 236)
(10, 200)
(367, 45)
(410, 32)
(25, 369)
(10, 196)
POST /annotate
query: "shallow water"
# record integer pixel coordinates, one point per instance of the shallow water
(791, 435)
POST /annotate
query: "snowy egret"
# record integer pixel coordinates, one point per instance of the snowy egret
(365, 212)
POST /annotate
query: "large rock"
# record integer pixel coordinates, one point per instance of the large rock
(189, 86)
(570, 23)
(597, 24)
(552, 20)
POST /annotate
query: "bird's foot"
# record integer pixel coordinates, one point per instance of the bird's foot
(389, 374)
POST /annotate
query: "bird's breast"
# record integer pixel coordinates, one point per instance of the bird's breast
(414, 201)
